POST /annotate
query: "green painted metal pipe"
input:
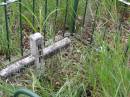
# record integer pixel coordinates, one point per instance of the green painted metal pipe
(85, 11)
(66, 13)
(45, 17)
(20, 27)
(33, 9)
(56, 14)
(25, 92)
(75, 8)
(7, 31)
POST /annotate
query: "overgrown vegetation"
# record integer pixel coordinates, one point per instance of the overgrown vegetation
(99, 69)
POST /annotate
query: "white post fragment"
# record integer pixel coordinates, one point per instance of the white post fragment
(36, 47)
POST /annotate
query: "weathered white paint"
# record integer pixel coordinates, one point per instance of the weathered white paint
(36, 47)
(125, 2)
(29, 60)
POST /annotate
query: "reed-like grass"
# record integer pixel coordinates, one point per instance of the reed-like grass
(98, 70)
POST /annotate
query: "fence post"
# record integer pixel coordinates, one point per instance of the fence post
(7, 29)
(20, 27)
(45, 17)
(66, 13)
(56, 15)
(36, 46)
(90, 19)
(33, 9)
(75, 8)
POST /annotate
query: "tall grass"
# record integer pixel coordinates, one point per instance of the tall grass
(98, 70)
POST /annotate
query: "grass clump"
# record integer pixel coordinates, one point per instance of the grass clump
(100, 69)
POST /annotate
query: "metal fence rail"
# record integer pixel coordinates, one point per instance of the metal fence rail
(73, 8)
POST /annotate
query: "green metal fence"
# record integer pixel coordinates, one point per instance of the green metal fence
(26, 19)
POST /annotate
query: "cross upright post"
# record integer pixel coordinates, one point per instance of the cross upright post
(36, 46)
